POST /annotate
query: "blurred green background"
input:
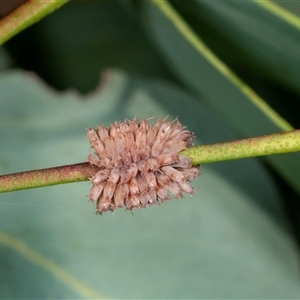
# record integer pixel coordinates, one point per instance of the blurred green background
(103, 61)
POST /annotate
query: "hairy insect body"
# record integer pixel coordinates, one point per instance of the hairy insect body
(139, 164)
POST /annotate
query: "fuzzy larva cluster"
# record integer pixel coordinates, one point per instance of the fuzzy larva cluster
(139, 164)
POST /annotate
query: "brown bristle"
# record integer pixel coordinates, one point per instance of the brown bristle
(139, 164)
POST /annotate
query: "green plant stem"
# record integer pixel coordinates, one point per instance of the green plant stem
(258, 146)
(278, 143)
(46, 177)
(25, 15)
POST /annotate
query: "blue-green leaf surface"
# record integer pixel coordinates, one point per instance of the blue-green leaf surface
(260, 36)
(229, 240)
(204, 73)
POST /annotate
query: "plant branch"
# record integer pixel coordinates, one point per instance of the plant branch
(258, 146)
(46, 177)
(278, 143)
(25, 15)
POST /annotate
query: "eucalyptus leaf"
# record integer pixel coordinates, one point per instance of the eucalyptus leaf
(206, 75)
(229, 240)
(251, 36)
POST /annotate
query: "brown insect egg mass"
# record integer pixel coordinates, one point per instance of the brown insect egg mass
(139, 164)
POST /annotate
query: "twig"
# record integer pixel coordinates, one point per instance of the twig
(277, 143)
(258, 146)
(46, 177)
